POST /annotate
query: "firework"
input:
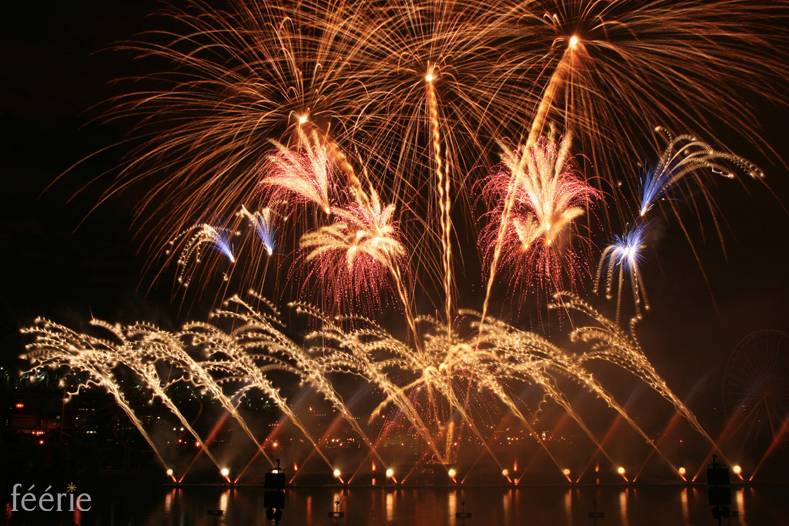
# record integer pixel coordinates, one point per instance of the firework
(622, 258)
(264, 71)
(263, 223)
(686, 156)
(190, 243)
(547, 195)
(302, 173)
(354, 254)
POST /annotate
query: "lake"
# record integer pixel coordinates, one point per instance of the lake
(555, 505)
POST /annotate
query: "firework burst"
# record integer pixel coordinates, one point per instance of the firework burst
(301, 174)
(548, 194)
(190, 244)
(353, 256)
(622, 258)
(262, 71)
(262, 221)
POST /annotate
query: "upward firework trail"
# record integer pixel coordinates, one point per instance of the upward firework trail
(443, 186)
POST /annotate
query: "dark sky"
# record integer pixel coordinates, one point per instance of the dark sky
(54, 70)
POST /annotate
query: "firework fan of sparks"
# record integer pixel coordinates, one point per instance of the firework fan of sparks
(246, 357)
(622, 258)
(300, 175)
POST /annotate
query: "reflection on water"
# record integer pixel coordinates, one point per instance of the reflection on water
(739, 496)
(390, 505)
(623, 516)
(644, 505)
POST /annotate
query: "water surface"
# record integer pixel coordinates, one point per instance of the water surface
(634, 506)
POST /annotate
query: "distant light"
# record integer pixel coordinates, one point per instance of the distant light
(169, 472)
(275, 444)
(505, 472)
(620, 470)
(566, 472)
(197, 443)
(303, 118)
(336, 473)
(737, 469)
(225, 472)
(389, 473)
(681, 471)
(452, 472)
(573, 42)
(19, 405)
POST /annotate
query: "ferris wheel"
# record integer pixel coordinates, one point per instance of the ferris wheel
(756, 378)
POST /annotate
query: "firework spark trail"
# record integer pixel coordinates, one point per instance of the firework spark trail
(336, 155)
(444, 197)
(554, 87)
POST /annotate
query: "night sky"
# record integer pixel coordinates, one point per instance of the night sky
(66, 263)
